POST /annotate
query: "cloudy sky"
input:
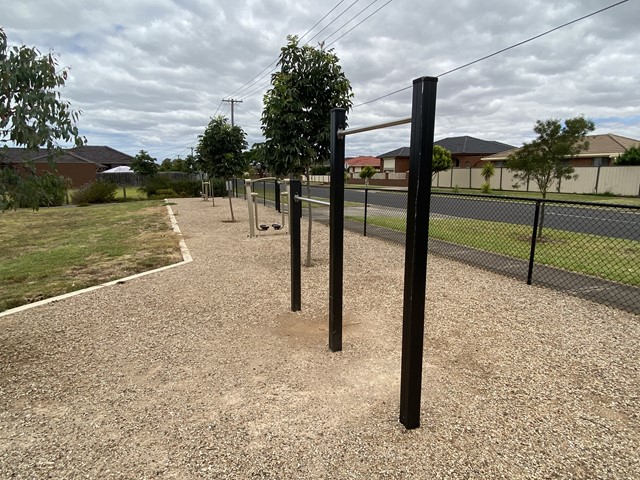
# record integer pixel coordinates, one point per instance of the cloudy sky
(148, 74)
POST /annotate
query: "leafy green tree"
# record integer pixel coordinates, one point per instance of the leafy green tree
(631, 156)
(545, 159)
(296, 115)
(144, 164)
(367, 172)
(166, 165)
(190, 165)
(488, 170)
(220, 151)
(441, 160)
(34, 116)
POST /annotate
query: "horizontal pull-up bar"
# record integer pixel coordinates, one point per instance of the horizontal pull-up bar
(311, 200)
(343, 133)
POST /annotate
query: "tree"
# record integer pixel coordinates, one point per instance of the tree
(545, 159)
(32, 115)
(144, 164)
(296, 115)
(441, 160)
(488, 170)
(631, 156)
(166, 165)
(220, 151)
(367, 172)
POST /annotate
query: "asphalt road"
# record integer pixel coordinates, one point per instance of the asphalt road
(612, 222)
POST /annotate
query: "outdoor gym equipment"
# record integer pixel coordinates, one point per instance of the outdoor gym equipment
(417, 237)
(252, 205)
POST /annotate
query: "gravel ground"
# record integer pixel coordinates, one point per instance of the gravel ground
(201, 371)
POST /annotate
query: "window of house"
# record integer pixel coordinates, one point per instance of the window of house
(600, 161)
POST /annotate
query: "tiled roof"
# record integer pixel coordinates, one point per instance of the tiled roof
(363, 161)
(105, 155)
(606, 145)
(398, 152)
(101, 156)
(472, 145)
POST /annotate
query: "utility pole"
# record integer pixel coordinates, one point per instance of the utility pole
(232, 102)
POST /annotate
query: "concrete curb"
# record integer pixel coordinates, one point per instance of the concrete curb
(186, 258)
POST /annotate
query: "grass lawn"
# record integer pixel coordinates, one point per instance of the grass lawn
(58, 250)
(610, 258)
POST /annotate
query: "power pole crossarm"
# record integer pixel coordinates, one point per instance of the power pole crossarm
(232, 102)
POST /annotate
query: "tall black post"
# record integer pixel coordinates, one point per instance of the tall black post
(276, 187)
(295, 212)
(415, 265)
(366, 203)
(336, 233)
(534, 235)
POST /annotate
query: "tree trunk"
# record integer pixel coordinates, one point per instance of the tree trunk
(308, 262)
(541, 219)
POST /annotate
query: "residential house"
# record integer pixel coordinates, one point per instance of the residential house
(356, 164)
(601, 152)
(80, 164)
(466, 152)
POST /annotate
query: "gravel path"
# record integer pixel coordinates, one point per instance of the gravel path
(201, 371)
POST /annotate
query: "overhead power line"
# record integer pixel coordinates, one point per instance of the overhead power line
(265, 85)
(530, 39)
(253, 80)
(360, 22)
(332, 21)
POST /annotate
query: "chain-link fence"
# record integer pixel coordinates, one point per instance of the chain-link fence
(591, 250)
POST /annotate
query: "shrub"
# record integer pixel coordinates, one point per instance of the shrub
(96, 192)
(181, 188)
(50, 189)
(320, 170)
(486, 187)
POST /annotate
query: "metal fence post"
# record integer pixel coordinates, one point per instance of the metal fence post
(417, 237)
(534, 234)
(295, 212)
(366, 201)
(277, 190)
(336, 232)
(248, 197)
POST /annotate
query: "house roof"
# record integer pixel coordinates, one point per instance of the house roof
(398, 152)
(363, 161)
(101, 154)
(606, 145)
(471, 145)
(458, 146)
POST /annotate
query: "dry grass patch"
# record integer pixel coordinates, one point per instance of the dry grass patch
(58, 250)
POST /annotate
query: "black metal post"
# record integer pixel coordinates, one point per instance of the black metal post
(336, 232)
(264, 193)
(295, 212)
(415, 270)
(534, 234)
(277, 190)
(366, 202)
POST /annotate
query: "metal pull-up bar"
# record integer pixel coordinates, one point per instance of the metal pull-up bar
(312, 200)
(343, 133)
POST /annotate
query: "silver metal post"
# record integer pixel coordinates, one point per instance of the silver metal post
(247, 187)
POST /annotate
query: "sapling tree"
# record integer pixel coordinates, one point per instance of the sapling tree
(546, 159)
(219, 152)
(367, 173)
(296, 115)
